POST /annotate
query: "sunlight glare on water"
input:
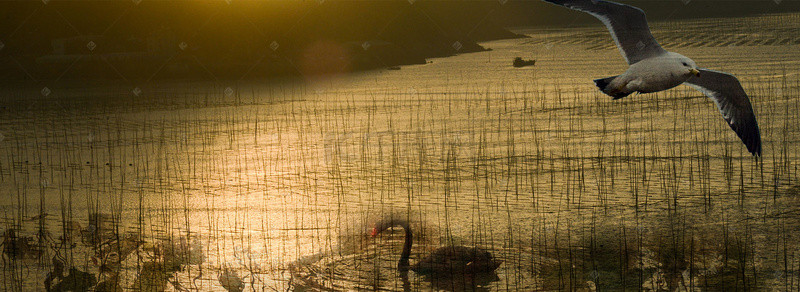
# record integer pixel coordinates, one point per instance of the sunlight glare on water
(282, 183)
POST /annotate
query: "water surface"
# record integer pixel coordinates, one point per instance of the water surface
(280, 182)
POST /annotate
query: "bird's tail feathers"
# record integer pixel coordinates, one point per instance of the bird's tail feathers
(603, 83)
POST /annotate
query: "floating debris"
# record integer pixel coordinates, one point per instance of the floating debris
(38, 217)
(110, 284)
(71, 231)
(16, 247)
(230, 280)
(100, 229)
(153, 276)
(76, 280)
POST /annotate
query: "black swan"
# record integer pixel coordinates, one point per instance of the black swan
(447, 260)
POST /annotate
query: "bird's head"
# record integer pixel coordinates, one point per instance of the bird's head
(375, 230)
(386, 223)
(379, 227)
(689, 65)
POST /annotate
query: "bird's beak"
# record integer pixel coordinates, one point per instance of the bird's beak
(695, 72)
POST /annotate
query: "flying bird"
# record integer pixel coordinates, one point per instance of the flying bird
(652, 69)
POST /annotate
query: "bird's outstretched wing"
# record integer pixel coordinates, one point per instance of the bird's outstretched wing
(627, 25)
(726, 91)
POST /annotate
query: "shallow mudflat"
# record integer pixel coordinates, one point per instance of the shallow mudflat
(183, 185)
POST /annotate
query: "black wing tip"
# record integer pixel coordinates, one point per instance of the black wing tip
(554, 2)
(572, 3)
(755, 150)
(753, 144)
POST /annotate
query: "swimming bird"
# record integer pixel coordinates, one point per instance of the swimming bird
(652, 69)
(444, 261)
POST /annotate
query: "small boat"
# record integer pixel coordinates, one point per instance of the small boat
(519, 62)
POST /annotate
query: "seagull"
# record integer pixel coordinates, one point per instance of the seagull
(652, 69)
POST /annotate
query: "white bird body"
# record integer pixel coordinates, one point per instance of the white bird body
(654, 69)
(654, 74)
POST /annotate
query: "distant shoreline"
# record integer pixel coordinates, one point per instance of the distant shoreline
(238, 40)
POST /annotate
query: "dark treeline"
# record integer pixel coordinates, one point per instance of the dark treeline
(145, 39)
(536, 12)
(236, 39)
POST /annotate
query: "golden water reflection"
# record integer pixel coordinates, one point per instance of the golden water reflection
(277, 188)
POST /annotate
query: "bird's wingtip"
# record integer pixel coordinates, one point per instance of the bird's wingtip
(754, 148)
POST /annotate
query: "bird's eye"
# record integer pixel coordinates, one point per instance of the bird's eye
(684, 64)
